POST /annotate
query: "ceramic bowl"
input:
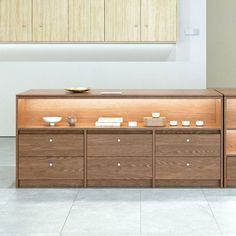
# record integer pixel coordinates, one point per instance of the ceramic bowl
(199, 123)
(156, 115)
(52, 120)
(186, 123)
(173, 123)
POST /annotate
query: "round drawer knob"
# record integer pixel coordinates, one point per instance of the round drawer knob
(146, 26)
(50, 164)
(50, 140)
(118, 164)
(187, 164)
(188, 140)
(118, 140)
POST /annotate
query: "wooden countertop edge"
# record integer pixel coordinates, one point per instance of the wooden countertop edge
(202, 93)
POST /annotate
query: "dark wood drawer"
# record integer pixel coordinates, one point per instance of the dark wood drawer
(51, 145)
(187, 168)
(231, 167)
(116, 145)
(119, 168)
(188, 145)
(50, 168)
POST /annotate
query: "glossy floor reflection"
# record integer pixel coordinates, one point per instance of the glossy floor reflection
(110, 212)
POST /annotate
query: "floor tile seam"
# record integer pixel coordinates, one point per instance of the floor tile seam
(218, 226)
(72, 204)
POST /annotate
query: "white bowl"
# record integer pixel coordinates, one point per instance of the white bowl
(186, 123)
(156, 115)
(52, 120)
(199, 123)
(173, 123)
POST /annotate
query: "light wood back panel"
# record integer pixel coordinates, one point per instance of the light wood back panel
(122, 20)
(15, 20)
(88, 110)
(50, 20)
(231, 113)
(231, 142)
(158, 20)
(86, 20)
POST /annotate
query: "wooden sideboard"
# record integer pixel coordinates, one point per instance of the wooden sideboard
(229, 136)
(86, 156)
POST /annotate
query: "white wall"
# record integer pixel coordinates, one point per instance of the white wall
(188, 71)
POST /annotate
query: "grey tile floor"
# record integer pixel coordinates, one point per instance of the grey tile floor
(110, 212)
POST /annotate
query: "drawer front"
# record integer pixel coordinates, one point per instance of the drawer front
(108, 145)
(188, 145)
(119, 168)
(50, 168)
(231, 167)
(187, 168)
(34, 145)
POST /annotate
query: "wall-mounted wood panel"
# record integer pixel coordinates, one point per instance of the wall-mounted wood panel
(86, 20)
(50, 20)
(122, 20)
(15, 20)
(158, 19)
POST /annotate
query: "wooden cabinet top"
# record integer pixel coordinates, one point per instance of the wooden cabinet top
(47, 93)
(227, 92)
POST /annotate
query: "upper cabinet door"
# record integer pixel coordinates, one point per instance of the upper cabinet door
(50, 20)
(158, 20)
(86, 20)
(15, 20)
(122, 20)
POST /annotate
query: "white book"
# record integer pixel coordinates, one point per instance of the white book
(105, 124)
(111, 119)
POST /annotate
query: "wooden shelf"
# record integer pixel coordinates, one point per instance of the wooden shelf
(119, 156)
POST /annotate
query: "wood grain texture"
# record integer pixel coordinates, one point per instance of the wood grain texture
(122, 20)
(230, 140)
(180, 145)
(39, 145)
(119, 168)
(188, 183)
(231, 113)
(142, 183)
(50, 20)
(86, 20)
(231, 168)
(188, 168)
(36, 168)
(159, 20)
(15, 20)
(115, 145)
(130, 93)
(50, 183)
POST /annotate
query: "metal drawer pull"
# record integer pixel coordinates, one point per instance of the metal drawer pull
(50, 140)
(118, 164)
(187, 140)
(50, 164)
(188, 164)
(118, 140)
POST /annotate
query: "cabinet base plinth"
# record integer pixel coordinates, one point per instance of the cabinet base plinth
(50, 183)
(120, 183)
(188, 183)
(230, 183)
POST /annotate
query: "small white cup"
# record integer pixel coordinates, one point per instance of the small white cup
(156, 114)
(173, 123)
(186, 123)
(132, 123)
(199, 123)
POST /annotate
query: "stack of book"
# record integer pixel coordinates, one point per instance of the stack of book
(109, 122)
